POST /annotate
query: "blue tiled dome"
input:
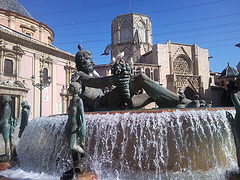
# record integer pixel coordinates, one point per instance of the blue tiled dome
(15, 6)
(229, 71)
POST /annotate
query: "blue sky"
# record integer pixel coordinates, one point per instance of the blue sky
(211, 24)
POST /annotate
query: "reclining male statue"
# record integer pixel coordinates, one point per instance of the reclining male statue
(95, 100)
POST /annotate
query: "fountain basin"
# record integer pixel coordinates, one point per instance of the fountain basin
(153, 141)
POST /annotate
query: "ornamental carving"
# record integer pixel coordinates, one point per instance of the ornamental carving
(180, 66)
(184, 81)
(126, 24)
(32, 28)
(3, 43)
(11, 83)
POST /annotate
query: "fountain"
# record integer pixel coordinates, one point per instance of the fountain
(194, 143)
(153, 144)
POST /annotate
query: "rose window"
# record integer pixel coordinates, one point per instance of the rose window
(180, 66)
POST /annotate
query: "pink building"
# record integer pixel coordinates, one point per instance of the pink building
(25, 49)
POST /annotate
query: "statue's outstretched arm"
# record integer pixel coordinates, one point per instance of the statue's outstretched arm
(235, 101)
(95, 82)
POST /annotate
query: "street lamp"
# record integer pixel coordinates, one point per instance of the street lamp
(41, 86)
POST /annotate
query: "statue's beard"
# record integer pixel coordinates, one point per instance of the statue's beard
(88, 70)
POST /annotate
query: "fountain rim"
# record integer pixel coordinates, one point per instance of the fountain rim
(138, 111)
(160, 110)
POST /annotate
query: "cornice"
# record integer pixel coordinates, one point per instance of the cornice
(26, 18)
(129, 15)
(35, 44)
(32, 28)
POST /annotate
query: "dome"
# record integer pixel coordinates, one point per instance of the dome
(15, 6)
(229, 71)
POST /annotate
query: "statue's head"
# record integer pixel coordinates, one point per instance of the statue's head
(6, 99)
(75, 88)
(84, 61)
(25, 104)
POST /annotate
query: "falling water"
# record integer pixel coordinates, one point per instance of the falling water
(193, 144)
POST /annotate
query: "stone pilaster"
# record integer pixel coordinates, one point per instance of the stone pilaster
(36, 94)
(54, 88)
(64, 96)
(11, 22)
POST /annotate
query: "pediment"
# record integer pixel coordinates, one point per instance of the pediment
(18, 49)
(11, 83)
(10, 54)
(181, 51)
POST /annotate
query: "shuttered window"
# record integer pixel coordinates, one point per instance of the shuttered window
(8, 66)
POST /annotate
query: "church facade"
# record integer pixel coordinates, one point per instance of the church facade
(26, 50)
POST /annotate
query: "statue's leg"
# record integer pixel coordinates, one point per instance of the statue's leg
(6, 137)
(73, 144)
(141, 100)
(162, 96)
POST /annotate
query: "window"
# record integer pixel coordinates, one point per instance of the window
(156, 75)
(125, 35)
(181, 66)
(28, 34)
(141, 31)
(45, 75)
(8, 66)
(210, 80)
(125, 32)
(147, 72)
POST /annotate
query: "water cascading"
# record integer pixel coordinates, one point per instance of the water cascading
(143, 144)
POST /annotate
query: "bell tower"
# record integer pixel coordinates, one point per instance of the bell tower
(131, 33)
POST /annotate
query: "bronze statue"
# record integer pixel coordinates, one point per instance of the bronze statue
(76, 124)
(95, 100)
(24, 117)
(5, 123)
(235, 123)
(122, 72)
(13, 124)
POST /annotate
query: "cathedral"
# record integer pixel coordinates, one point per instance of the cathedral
(173, 65)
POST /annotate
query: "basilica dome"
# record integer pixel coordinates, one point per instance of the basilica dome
(15, 6)
(229, 71)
